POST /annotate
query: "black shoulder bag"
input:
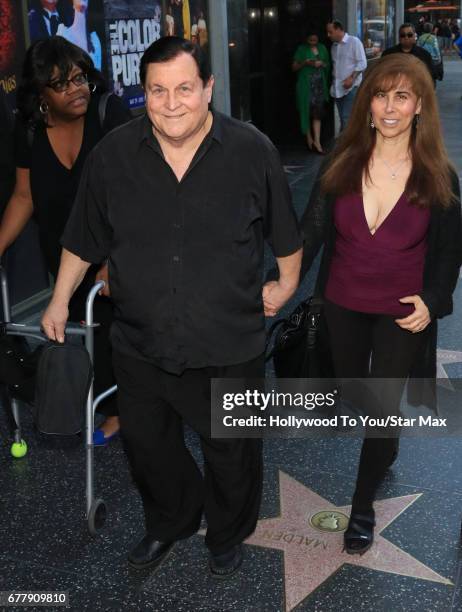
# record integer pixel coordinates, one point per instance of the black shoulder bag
(301, 343)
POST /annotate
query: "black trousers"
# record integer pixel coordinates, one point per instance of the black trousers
(369, 345)
(153, 405)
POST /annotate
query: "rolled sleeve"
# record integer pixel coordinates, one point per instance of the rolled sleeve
(281, 226)
(88, 233)
(360, 57)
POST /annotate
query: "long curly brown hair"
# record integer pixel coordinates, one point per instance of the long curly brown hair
(429, 182)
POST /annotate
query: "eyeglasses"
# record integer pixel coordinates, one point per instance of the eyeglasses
(407, 35)
(61, 85)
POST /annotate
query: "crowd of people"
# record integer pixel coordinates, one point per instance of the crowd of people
(339, 73)
(173, 208)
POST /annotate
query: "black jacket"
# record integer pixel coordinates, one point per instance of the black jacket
(37, 25)
(419, 52)
(441, 272)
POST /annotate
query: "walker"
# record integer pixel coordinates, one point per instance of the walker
(95, 508)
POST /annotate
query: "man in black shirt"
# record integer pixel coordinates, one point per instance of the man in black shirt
(407, 44)
(180, 202)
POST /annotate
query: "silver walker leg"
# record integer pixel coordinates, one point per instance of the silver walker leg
(95, 508)
(14, 404)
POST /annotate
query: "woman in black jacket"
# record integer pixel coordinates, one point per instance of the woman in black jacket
(386, 208)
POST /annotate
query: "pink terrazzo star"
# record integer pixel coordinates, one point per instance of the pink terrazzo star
(311, 555)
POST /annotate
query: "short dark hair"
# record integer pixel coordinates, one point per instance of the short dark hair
(41, 59)
(338, 25)
(311, 32)
(406, 24)
(170, 47)
(428, 27)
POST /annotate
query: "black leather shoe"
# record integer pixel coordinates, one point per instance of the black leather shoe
(224, 565)
(149, 552)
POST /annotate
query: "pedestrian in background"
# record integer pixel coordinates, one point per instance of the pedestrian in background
(312, 65)
(407, 44)
(348, 62)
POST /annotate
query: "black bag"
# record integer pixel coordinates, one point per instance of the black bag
(18, 366)
(64, 377)
(438, 70)
(301, 343)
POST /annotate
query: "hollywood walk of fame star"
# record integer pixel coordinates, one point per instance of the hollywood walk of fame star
(312, 555)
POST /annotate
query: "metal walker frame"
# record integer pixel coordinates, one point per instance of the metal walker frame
(96, 511)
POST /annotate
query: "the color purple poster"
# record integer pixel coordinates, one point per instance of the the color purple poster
(131, 26)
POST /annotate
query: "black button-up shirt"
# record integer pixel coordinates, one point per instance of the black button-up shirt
(185, 258)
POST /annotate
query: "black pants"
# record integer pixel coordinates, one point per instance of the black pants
(368, 345)
(102, 314)
(153, 405)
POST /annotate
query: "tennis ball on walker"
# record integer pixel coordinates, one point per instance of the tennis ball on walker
(19, 449)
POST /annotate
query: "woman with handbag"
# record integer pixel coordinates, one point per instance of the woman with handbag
(386, 208)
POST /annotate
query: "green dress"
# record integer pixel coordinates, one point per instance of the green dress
(304, 80)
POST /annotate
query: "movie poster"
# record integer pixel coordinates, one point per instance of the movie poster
(131, 26)
(12, 47)
(187, 19)
(79, 21)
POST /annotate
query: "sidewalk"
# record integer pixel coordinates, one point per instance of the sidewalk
(290, 564)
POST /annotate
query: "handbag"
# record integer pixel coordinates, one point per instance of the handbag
(18, 367)
(64, 377)
(301, 343)
(438, 70)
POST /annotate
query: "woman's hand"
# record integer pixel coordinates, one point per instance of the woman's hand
(103, 275)
(419, 319)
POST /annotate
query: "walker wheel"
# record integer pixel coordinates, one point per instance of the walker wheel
(96, 516)
(19, 449)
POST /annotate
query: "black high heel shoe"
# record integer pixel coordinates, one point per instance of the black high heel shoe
(359, 536)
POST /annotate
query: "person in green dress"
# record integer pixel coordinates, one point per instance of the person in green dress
(312, 63)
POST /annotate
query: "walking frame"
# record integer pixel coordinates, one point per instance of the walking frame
(95, 507)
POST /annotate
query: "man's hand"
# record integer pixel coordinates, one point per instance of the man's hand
(54, 321)
(348, 82)
(419, 319)
(275, 295)
(103, 275)
(318, 64)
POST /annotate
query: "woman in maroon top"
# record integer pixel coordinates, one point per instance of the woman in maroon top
(386, 207)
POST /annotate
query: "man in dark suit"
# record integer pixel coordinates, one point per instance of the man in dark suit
(44, 20)
(407, 44)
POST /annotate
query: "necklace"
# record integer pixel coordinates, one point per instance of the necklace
(394, 173)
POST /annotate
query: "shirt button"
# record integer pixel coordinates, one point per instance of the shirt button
(176, 259)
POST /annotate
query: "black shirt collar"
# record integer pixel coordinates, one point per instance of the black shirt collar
(147, 134)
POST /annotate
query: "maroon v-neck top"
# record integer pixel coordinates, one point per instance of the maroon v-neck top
(370, 272)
